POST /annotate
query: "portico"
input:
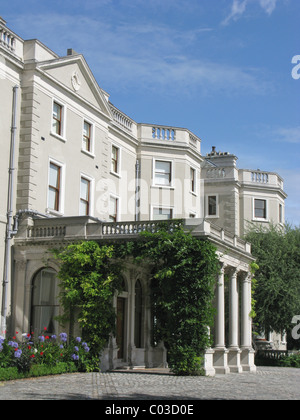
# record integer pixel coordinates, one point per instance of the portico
(232, 350)
(132, 347)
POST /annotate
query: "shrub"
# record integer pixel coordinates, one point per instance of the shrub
(184, 361)
(293, 360)
(48, 354)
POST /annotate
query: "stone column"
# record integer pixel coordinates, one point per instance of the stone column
(220, 316)
(220, 352)
(234, 351)
(247, 356)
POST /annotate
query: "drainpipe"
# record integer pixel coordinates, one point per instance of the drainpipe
(137, 191)
(10, 198)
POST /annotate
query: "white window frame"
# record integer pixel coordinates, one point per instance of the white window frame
(118, 173)
(154, 172)
(195, 181)
(207, 215)
(61, 136)
(260, 219)
(91, 198)
(115, 197)
(90, 152)
(158, 206)
(281, 222)
(61, 206)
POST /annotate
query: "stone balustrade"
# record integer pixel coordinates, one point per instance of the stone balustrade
(260, 178)
(84, 227)
(168, 135)
(121, 118)
(7, 39)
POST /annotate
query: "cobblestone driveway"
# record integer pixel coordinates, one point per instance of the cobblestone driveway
(266, 383)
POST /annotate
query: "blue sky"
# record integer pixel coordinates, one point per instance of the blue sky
(221, 68)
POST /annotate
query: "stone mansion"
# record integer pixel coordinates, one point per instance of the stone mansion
(75, 167)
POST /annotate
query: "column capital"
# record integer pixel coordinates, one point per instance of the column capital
(231, 270)
(246, 277)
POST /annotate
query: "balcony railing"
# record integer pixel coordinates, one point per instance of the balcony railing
(7, 39)
(86, 228)
(121, 118)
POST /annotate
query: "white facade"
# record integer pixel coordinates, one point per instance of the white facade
(76, 154)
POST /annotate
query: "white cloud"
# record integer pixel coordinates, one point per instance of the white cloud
(238, 8)
(268, 5)
(287, 135)
(151, 56)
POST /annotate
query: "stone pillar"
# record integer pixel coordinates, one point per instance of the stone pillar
(220, 316)
(234, 351)
(220, 351)
(247, 356)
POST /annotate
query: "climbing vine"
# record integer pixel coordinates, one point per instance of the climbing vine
(183, 271)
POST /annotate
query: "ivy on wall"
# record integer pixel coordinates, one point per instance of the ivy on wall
(183, 275)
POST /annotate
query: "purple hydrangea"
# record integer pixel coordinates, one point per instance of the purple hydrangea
(41, 338)
(63, 337)
(76, 348)
(13, 344)
(18, 353)
(75, 356)
(78, 339)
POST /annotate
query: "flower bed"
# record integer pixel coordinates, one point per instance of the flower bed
(46, 354)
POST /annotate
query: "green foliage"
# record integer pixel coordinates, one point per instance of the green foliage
(277, 285)
(48, 351)
(184, 270)
(11, 373)
(292, 360)
(185, 361)
(88, 281)
(183, 276)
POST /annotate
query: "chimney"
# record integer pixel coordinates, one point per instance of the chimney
(70, 51)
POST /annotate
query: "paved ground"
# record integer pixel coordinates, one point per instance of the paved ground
(267, 383)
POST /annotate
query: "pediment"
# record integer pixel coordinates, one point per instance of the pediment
(74, 73)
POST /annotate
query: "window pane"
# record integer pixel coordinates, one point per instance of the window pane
(56, 118)
(54, 175)
(83, 208)
(163, 167)
(84, 189)
(114, 159)
(212, 205)
(44, 302)
(56, 111)
(52, 199)
(260, 209)
(162, 214)
(86, 129)
(86, 140)
(56, 127)
(162, 172)
(192, 175)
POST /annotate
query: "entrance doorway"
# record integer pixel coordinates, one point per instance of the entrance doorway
(120, 326)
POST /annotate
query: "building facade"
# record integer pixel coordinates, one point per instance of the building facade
(84, 169)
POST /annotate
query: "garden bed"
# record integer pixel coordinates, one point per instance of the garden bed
(26, 357)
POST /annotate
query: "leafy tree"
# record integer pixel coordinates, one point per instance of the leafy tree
(184, 271)
(88, 282)
(277, 292)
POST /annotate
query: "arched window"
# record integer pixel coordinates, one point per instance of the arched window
(138, 315)
(44, 307)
